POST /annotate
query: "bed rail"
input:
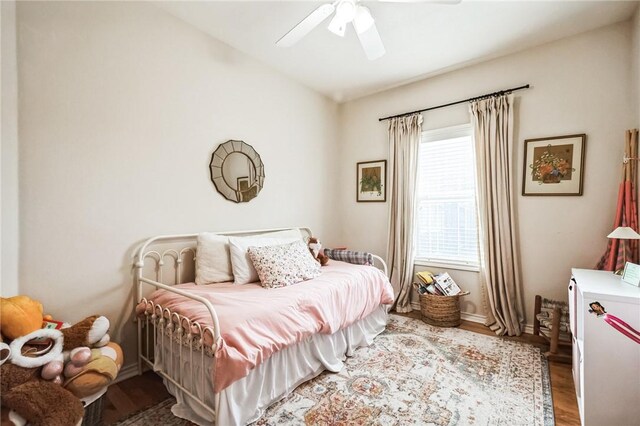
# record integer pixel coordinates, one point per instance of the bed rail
(383, 263)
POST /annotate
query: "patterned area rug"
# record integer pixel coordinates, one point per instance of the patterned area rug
(414, 373)
(159, 414)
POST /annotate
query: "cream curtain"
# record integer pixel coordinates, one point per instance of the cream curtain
(404, 141)
(499, 263)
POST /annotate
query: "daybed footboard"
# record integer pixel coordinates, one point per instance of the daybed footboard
(178, 349)
(161, 331)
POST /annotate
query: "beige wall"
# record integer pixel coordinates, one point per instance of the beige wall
(579, 85)
(9, 153)
(121, 106)
(635, 55)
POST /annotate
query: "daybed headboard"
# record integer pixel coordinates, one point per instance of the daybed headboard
(174, 255)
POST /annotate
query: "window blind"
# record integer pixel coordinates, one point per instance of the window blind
(447, 229)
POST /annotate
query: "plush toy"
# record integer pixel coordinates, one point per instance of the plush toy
(19, 316)
(91, 331)
(39, 402)
(87, 378)
(316, 250)
(31, 385)
(51, 353)
(31, 376)
(73, 340)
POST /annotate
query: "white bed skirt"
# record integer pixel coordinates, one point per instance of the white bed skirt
(245, 400)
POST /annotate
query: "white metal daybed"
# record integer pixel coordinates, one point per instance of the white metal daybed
(182, 351)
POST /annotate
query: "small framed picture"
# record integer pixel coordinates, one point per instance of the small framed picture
(554, 166)
(631, 274)
(371, 184)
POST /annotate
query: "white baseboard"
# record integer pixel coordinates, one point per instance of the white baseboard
(528, 328)
(467, 316)
(127, 372)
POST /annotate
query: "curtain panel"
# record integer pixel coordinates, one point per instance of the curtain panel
(492, 120)
(404, 142)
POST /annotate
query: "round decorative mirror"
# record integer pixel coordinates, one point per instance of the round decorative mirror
(237, 171)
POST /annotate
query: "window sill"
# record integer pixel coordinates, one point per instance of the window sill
(445, 265)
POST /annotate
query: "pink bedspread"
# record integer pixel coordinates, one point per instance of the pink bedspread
(256, 322)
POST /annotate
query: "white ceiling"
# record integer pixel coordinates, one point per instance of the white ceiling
(421, 39)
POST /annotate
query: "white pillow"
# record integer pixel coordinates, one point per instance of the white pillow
(213, 260)
(241, 265)
(284, 264)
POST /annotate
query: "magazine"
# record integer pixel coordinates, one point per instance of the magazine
(432, 289)
(447, 285)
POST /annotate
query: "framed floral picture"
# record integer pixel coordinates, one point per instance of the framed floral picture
(554, 166)
(371, 184)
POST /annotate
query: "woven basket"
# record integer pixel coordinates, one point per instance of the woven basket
(93, 412)
(441, 311)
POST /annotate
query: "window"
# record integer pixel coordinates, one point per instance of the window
(447, 225)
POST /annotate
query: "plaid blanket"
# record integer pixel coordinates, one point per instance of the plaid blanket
(350, 256)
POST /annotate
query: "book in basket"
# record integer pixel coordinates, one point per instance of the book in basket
(426, 277)
(447, 285)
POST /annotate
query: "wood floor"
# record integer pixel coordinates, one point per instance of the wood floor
(141, 392)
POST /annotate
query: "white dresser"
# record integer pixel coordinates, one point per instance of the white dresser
(606, 364)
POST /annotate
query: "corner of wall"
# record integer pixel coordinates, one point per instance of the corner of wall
(9, 151)
(340, 208)
(635, 22)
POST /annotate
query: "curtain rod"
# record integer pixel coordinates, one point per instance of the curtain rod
(488, 95)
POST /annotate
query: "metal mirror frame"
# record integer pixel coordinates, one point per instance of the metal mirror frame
(217, 163)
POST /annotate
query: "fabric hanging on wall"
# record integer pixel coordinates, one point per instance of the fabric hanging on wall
(404, 142)
(499, 262)
(626, 211)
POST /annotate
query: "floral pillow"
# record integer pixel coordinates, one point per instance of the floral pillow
(283, 265)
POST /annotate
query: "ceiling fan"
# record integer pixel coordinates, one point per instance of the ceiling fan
(347, 11)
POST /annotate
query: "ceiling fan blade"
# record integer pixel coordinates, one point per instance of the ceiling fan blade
(371, 43)
(305, 26)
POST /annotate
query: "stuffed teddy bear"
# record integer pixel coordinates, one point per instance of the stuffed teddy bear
(39, 402)
(30, 385)
(71, 343)
(316, 250)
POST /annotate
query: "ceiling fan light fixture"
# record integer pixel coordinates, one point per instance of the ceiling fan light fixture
(337, 26)
(346, 10)
(363, 19)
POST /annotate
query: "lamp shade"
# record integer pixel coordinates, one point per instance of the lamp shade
(624, 233)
